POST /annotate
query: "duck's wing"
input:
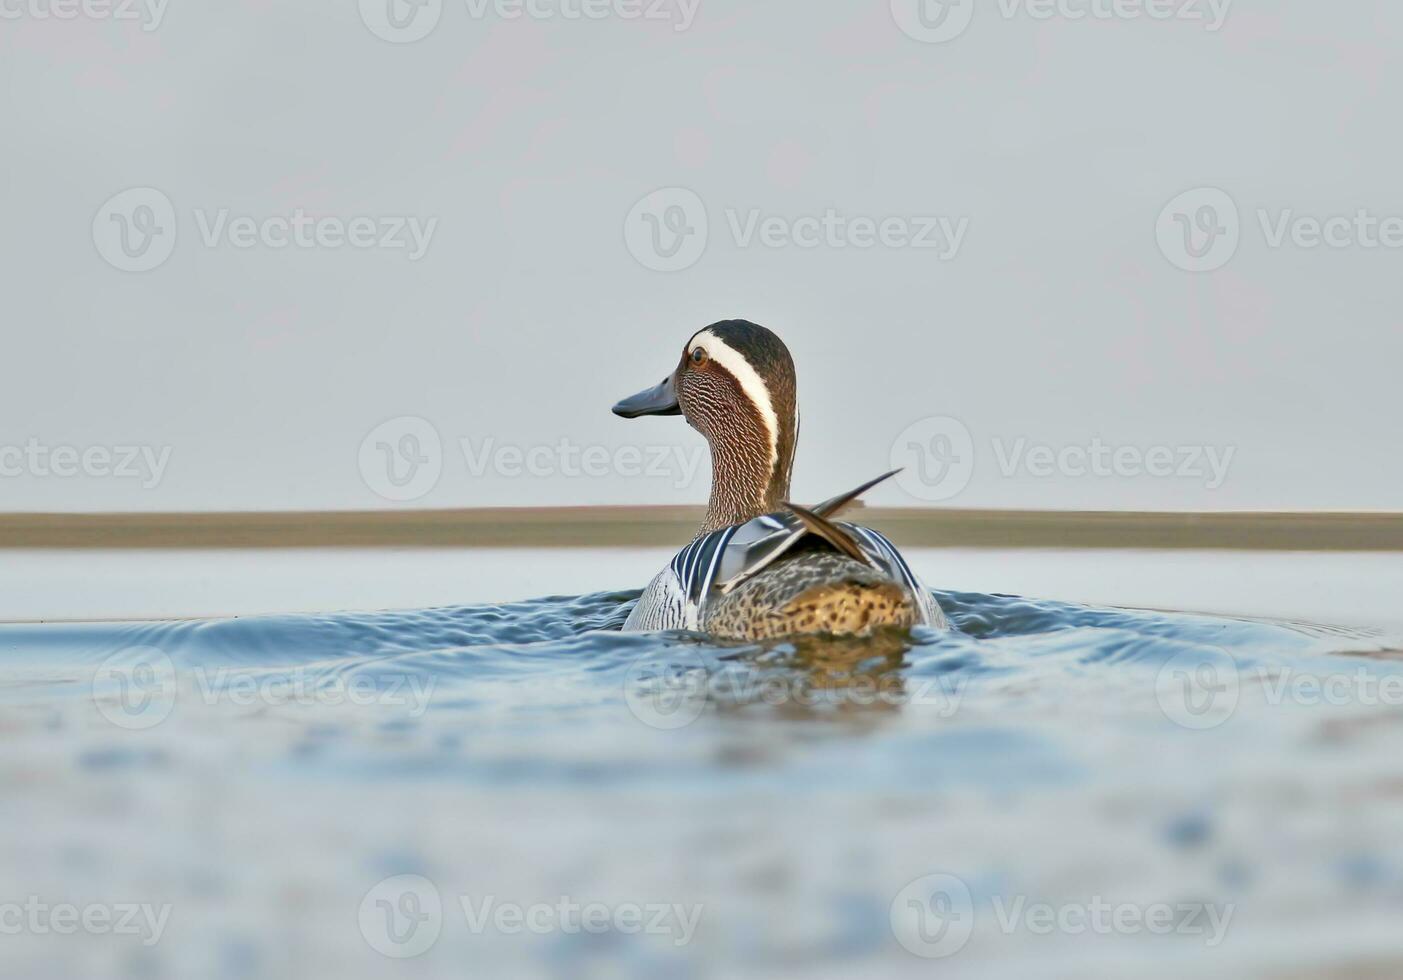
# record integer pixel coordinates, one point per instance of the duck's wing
(755, 546)
(839, 537)
(763, 541)
(834, 506)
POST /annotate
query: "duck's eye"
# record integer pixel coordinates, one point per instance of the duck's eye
(699, 355)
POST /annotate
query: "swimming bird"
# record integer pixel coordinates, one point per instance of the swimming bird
(761, 566)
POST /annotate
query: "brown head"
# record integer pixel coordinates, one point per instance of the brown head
(735, 385)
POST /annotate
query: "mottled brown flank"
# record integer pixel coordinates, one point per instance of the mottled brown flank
(818, 592)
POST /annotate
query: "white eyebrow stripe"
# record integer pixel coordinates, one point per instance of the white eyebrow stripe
(750, 382)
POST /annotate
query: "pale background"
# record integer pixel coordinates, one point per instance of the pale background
(530, 141)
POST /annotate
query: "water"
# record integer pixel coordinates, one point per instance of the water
(268, 780)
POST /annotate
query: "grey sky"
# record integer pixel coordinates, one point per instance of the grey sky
(519, 147)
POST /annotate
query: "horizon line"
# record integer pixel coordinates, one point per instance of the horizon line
(659, 525)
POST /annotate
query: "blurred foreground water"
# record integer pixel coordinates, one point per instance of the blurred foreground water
(516, 789)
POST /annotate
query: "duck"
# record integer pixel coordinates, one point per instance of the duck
(761, 566)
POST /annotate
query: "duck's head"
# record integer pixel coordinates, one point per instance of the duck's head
(735, 385)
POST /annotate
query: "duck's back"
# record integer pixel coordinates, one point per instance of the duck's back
(812, 592)
(770, 578)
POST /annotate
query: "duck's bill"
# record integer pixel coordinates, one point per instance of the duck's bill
(661, 400)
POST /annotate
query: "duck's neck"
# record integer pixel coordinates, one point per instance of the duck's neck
(746, 480)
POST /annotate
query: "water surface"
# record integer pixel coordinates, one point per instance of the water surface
(262, 776)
